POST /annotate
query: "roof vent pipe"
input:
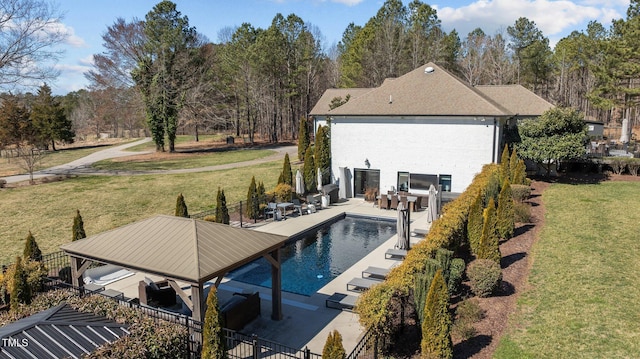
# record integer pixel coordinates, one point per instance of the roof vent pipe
(390, 99)
(429, 70)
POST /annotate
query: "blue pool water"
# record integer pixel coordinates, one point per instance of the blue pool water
(314, 260)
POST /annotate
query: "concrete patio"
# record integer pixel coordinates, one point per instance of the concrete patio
(306, 320)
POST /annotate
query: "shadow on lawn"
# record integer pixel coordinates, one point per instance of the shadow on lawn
(471, 346)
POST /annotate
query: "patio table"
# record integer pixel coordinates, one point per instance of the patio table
(283, 207)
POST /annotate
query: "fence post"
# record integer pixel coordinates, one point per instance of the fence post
(307, 353)
(375, 347)
(256, 347)
(240, 214)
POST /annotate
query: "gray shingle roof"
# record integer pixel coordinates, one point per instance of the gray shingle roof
(322, 106)
(435, 93)
(174, 247)
(58, 332)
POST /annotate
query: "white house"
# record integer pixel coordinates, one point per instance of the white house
(424, 127)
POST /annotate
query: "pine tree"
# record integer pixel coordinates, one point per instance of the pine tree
(262, 195)
(31, 249)
(303, 138)
(474, 224)
(322, 154)
(20, 292)
(78, 227)
(333, 347)
(253, 205)
(213, 340)
(287, 175)
(436, 326)
(181, 207)
(513, 162)
(222, 212)
(422, 283)
(520, 173)
(309, 171)
(505, 172)
(505, 212)
(488, 247)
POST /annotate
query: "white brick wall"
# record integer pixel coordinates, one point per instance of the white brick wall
(455, 146)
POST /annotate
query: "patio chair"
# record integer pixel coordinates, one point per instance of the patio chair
(270, 210)
(394, 202)
(297, 206)
(311, 199)
(383, 202)
(341, 301)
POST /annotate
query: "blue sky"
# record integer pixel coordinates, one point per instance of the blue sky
(86, 21)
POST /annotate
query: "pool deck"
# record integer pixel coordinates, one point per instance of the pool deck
(306, 320)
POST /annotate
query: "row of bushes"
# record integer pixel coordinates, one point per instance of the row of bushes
(620, 164)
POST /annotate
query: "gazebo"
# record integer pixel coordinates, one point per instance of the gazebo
(180, 249)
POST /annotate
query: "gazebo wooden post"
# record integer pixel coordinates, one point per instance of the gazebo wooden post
(78, 266)
(199, 308)
(276, 286)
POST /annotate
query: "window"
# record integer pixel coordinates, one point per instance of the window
(421, 181)
(364, 179)
(445, 182)
(403, 181)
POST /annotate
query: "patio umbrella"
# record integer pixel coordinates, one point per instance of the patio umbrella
(319, 178)
(402, 227)
(299, 183)
(432, 213)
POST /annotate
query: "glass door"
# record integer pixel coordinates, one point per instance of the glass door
(364, 179)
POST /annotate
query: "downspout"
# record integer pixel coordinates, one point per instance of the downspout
(493, 153)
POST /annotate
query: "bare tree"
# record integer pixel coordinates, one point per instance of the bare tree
(29, 33)
(30, 158)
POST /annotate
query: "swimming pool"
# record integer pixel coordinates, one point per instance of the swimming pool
(320, 256)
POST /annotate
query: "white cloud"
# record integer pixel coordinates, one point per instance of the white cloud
(348, 2)
(553, 18)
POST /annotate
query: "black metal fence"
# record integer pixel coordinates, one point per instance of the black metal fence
(237, 215)
(369, 347)
(243, 346)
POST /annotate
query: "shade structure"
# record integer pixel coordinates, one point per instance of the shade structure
(402, 227)
(319, 178)
(299, 183)
(432, 202)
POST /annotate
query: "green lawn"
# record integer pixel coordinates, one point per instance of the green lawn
(181, 140)
(190, 161)
(584, 284)
(47, 210)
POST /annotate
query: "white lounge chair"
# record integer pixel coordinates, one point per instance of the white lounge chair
(395, 253)
(361, 284)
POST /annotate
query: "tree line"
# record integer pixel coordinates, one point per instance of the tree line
(160, 74)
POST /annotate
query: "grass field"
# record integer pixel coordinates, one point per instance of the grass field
(182, 140)
(47, 210)
(582, 300)
(175, 161)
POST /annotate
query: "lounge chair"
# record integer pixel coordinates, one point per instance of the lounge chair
(341, 301)
(375, 273)
(395, 253)
(270, 210)
(361, 284)
(417, 232)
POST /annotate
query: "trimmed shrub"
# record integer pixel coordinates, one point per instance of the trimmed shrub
(443, 257)
(31, 250)
(468, 312)
(78, 227)
(287, 175)
(505, 172)
(333, 347)
(474, 224)
(181, 207)
(520, 192)
(222, 212)
(456, 271)
(505, 213)
(20, 291)
(303, 138)
(213, 340)
(436, 326)
(492, 189)
(322, 152)
(283, 192)
(484, 276)
(210, 218)
(618, 165)
(488, 247)
(520, 174)
(633, 165)
(252, 209)
(309, 171)
(522, 212)
(422, 283)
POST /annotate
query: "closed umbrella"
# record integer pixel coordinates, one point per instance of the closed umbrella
(299, 183)
(432, 213)
(319, 178)
(402, 227)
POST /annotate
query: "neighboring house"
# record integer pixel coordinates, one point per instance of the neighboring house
(425, 127)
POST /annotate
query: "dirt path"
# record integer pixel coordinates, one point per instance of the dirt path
(516, 265)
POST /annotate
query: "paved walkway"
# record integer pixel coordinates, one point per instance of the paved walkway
(83, 166)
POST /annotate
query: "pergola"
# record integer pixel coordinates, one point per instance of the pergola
(180, 249)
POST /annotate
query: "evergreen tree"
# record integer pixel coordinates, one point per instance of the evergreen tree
(31, 249)
(513, 163)
(322, 155)
(253, 204)
(20, 292)
(436, 326)
(181, 207)
(303, 138)
(287, 175)
(333, 347)
(78, 227)
(49, 118)
(488, 247)
(505, 212)
(213, 340)
(505, 172)
(309, 171)
(222, 212)
(262, 196)
(422, 283)
(474, 224)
